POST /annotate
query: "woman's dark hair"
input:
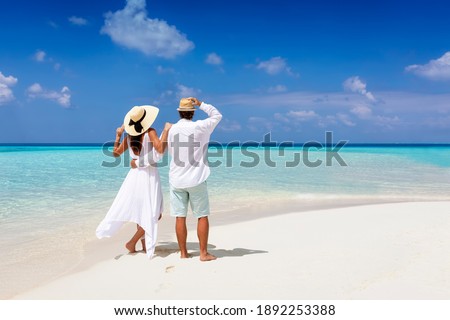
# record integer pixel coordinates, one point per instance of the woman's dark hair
(188, 115)
(135, 143)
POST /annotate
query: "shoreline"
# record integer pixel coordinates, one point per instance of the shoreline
(101, 253)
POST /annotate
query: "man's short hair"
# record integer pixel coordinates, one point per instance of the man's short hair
(188, 115)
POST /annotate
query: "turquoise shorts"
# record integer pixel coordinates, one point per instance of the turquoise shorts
(196, 196)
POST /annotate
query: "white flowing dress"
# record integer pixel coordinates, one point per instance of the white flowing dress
(139, 199)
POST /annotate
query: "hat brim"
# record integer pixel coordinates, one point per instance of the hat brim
(186, 109)
(151, 113)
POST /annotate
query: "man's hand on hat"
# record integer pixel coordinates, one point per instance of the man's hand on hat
(195, 101)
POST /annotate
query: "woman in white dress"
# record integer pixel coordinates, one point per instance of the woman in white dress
(139, 199)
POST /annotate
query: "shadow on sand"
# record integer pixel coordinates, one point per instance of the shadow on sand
(165, 249)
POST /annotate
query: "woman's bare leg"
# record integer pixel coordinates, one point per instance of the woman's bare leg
(131, 245)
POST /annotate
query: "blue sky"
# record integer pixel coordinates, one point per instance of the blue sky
(370, 71)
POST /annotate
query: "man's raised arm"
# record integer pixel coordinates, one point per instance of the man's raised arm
(214, 116)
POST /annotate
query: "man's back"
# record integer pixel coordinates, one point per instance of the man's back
(188, 145)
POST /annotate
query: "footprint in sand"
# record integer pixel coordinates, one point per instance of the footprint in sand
(170, 269)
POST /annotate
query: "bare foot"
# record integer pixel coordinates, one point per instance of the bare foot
(130, 247)
(144, 248)
(207, 257)
(185, 255)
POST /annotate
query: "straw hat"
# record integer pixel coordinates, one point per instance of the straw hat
(186, 104)
(139, 119)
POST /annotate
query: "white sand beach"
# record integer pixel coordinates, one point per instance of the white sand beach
(380, 251)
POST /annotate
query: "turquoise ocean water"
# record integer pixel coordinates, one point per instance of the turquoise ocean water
(52, 198)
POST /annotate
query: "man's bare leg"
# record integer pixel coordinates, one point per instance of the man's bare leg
(131, 245)
(181, 231)
(202, 233)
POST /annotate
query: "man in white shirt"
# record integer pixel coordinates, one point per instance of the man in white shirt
(188, 145)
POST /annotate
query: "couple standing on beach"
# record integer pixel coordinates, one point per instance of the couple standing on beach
(139, 199)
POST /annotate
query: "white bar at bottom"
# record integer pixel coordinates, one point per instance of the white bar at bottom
(223, 309)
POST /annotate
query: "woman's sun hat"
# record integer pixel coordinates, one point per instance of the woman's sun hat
(139, 119)
(186, 104)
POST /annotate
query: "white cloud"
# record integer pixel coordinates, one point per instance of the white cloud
(78, 21)
(53, 24)
(438, 69)
(354, 84)
(302, 115)
(294, 118)
(185, 92)
(277, 89)
(403, 115)
(326, 121)
(6, 83)
(34, 89)
(229, 126)
(39, 56)
(167, 96)
(398, 109)
(345, 119)
(362, 111)
(281, 117)
(258, 124)
(275, 65)
(387, 122)
(163, 70)
(295, 100)
(415, 103)
(62, 97)
(130, 27)
(214, 59)
(174, 94)
(440, 122)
